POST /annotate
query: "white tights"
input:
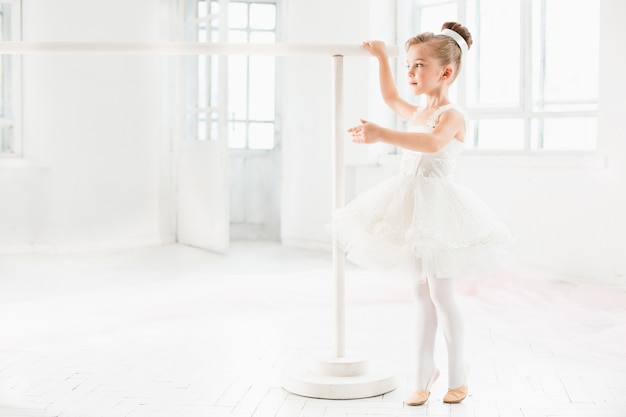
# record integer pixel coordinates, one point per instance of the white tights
(435, 301)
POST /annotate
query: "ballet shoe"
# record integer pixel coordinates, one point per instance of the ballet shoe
(456, 395)
(421, 396)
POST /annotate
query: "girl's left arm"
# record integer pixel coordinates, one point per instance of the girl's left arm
(451, 124)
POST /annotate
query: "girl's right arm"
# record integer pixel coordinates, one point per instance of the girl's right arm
(387, 85)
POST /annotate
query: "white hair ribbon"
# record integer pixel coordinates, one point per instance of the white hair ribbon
(458, 39)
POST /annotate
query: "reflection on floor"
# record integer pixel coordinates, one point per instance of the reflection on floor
(174, 331)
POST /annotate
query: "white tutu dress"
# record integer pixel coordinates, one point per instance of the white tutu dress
(422, 214)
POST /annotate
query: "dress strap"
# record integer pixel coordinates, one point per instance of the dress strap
(433, 118)
(417, 112)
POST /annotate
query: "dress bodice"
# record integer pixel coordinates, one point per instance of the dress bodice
(438, 164)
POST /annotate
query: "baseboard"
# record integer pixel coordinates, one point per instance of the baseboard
(307, 244)
(86, 247)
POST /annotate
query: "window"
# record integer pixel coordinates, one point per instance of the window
(531, 78)
(251, 79)
(201, 83)
(10, 137)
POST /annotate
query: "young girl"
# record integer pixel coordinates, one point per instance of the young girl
(420, 219)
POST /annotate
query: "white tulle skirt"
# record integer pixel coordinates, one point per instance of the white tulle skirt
(435, 221)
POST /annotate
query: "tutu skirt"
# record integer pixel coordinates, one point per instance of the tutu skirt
(435, 221)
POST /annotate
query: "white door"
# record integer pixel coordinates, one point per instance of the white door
(203, 213)
(203, 195)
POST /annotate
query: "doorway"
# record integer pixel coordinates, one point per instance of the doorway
(229, 182)
(255, 195)
(253, 139)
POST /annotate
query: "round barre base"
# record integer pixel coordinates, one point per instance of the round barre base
(344, 379)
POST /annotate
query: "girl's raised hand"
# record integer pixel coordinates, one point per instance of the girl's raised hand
(365, 133)
(376, 48)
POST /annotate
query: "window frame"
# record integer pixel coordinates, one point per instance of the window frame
(247, 121)
(191, 72)
(12, 86)
(524, 111)
(191, 110)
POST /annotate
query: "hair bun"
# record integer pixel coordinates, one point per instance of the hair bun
(461, 30)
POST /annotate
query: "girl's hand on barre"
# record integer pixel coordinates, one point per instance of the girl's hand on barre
(376, 48)
(365, 133)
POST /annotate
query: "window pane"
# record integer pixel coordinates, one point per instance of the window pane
(214, 127)
(237, 15)
(261, 87)
(262, 16)
(203, 76)
(237, 135)
(238, 36)
(191, 125)
(215, 7)
(191, 83)
(497, 134)
(571, 66)
(215, 35)
(262, 37)
(238, 87)
(261, 136)
(202, 126)
(493, 62)
(4, 63)
(436, 15)
(6, 139)
(215, 87)
(202, 33)
(203, 132)
(577, 134)
(203, 8)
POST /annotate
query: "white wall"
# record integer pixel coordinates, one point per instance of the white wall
(95, 132)
(568, 215)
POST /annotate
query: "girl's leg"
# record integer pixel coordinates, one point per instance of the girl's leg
(442, 295)
(426, 316)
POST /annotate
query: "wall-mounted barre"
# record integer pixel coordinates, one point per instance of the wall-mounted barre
(183, 48)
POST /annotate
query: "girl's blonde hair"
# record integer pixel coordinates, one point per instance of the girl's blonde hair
(444, 48)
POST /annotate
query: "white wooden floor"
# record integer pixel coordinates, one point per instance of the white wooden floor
(177, 332)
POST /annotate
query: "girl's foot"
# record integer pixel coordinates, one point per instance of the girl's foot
(421, 396)
(456, 395)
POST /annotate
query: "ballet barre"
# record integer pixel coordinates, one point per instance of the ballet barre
(183, 48)
(336, 377)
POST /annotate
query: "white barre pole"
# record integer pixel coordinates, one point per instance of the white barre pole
(182, 48)
(338, 190)
(340, 376)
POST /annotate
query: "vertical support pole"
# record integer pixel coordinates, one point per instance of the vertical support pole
(338, 189)
(339, 377)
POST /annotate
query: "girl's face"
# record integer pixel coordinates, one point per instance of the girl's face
(425, 74)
